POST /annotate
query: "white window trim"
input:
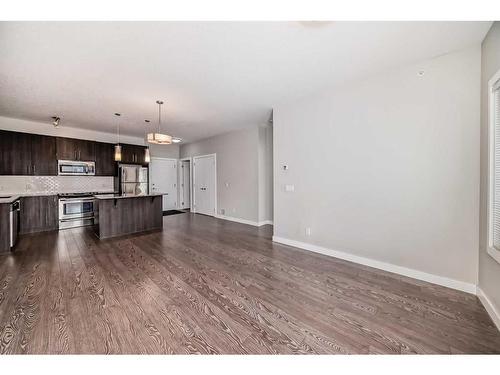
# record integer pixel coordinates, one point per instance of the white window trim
(494, 253)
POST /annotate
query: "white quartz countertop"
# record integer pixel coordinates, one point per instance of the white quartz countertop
(118, 196)
(11, 197)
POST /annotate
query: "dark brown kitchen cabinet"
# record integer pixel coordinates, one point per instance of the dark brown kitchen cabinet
(75, 149)
(15, 153)
(27, 154)
(105, 164)
(43, 155)
(132, 154)
(39, 214)
(86, 150)
(4, 227)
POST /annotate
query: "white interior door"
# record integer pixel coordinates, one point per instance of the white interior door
(204, 184)
(163, 177)
(185, 184)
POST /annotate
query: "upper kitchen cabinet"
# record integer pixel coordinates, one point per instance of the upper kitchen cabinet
(75, 149)
(43, 155)
(15, 153)
(105, 164)
(86, 150)
(132, 154)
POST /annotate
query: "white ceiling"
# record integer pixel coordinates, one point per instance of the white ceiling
(213, 76)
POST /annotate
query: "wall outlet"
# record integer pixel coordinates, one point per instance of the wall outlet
(289, 188)
(308, 232)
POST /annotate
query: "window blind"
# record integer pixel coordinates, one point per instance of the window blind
(496, 166)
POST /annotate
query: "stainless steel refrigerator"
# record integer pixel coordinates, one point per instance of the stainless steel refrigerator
(133, 180)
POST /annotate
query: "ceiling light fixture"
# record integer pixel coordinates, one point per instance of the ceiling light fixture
(159, 138)
(176, 140)
(56, 121)
(118, 148)
(147, 155)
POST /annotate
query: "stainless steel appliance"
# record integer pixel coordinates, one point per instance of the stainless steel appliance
(15, 208)
(133, 180)
(76, 210)
(75, 168)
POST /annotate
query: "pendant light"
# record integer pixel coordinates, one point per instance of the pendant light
(147, 156)
(118, 148)
(159, 138)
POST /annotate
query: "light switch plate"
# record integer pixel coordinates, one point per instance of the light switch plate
(289, 188)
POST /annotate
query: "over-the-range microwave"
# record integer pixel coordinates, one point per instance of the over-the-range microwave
(75, 168)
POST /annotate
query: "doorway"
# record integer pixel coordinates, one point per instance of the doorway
(205, 184)
(163, 180)
(185, 184)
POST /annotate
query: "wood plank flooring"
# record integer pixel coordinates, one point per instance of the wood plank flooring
(206, 286)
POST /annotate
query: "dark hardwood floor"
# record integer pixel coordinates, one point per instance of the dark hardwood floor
(204, 285)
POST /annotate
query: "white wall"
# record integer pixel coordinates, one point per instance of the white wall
(25, 126)
(265, 160)
(238, 173)
(387, 168)
(164, 151)
(236, 166)
(489, 269)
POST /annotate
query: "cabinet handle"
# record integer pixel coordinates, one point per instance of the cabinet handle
(34, 169)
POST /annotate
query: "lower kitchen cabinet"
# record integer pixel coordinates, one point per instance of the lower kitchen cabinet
(39, 214)
(4, 227)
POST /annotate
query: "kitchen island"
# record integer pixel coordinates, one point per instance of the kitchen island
(118, 215)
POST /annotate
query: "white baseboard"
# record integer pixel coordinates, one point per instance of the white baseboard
(265, 222)
(409, 272)
(245, 221)
(489, 306)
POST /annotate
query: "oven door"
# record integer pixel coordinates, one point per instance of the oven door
(76, 208)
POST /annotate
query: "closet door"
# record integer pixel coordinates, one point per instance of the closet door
(204, 184)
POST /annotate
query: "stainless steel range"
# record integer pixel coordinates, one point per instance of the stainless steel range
(76, 210)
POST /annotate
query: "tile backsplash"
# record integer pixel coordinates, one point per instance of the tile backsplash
(54, 184)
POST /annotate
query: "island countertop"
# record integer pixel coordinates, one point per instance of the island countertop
(119, 196)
